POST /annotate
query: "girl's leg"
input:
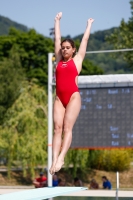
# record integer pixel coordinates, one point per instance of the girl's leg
(71, 114)
(58, 117)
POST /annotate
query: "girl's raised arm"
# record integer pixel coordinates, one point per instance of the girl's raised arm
(58, 37)
(83, 45)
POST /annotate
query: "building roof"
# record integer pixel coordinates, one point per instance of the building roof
(111, 80)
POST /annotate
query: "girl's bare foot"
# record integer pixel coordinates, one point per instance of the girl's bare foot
(59, 164)
(52, 169)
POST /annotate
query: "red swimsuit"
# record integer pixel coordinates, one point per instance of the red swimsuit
(66, 73)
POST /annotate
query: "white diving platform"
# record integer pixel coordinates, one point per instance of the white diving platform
(40, 193)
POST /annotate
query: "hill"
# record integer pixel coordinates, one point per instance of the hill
(107, 61)
(111, 63)
(6, 23)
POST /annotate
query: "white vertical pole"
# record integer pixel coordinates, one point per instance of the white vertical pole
(117, 175)
(50, 116)
(117, 184)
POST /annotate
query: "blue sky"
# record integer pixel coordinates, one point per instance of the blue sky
(39, 14)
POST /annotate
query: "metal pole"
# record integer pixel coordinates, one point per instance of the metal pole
(50, 117)
(109, 51)
(117, 184)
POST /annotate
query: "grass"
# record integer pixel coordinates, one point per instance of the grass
(125, 178)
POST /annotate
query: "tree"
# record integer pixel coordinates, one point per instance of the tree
(11, 77)
(23, 134)
(78, 159)
(122, 38)
(33, 49)
(89, 68)
(110, 160)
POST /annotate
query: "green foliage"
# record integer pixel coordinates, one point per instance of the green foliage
(104, 61)
(110, 160)
(122, 38)
(11, 77)
(108, 63)
(88, 68)
(92, 158)
(33, 49)
(76, 159)
(6, 23)
(23, 134)
(119, 160)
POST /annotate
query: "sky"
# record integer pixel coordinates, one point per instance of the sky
(40, 14)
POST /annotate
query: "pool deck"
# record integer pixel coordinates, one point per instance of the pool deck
(102, 193)
(87, 193)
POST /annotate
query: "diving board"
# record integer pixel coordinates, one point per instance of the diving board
(40, 193)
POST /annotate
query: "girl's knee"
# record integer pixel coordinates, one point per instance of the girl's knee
(58, 129)
(67, 129)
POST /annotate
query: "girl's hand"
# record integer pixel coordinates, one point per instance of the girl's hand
(58, 16)
(90, 21)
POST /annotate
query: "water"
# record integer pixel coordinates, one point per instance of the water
(92, 198)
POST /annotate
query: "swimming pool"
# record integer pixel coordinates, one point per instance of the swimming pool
(92, 198)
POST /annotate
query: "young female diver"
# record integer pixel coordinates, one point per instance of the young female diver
(67, 102)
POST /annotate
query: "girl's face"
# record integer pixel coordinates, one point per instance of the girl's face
(67, 50)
